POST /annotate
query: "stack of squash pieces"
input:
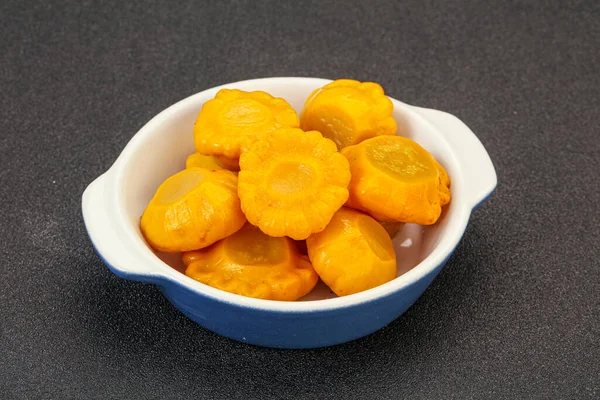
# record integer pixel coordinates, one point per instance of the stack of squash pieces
(271, 202)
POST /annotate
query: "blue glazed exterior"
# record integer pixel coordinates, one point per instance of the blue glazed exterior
(292, 330)
(295, 329)
(289, 329)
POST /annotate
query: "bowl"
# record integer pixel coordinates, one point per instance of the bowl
(113, 203)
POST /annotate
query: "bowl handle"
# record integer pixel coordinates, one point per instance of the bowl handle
(106, 239)
(475, 164)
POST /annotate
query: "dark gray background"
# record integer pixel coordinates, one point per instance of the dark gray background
(516, 312)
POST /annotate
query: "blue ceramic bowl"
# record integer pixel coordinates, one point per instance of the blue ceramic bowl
(114, 202)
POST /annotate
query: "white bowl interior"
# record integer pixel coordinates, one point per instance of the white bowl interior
(161, 147)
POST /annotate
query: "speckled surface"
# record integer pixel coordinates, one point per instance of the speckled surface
(516, 312)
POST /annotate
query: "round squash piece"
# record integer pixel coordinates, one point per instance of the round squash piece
(292, 182)
(198, 160)
(348, 112)
(192, 209)
(233, 117)
(354, 253)
(252, 264)
(395, 179)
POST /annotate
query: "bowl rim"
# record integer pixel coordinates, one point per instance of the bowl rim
(159, 271)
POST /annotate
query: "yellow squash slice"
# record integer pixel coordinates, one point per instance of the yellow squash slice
(354, 253)
(292, 182)
(233, 117)
(193, 209)
(348, 112)
(395, 179)
(252, 264)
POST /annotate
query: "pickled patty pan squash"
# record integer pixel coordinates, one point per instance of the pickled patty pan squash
(292, 182)
(234, 116)
(348, 112)
(252, 264)
(354, 253)
(193, 209)
(395, 179)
